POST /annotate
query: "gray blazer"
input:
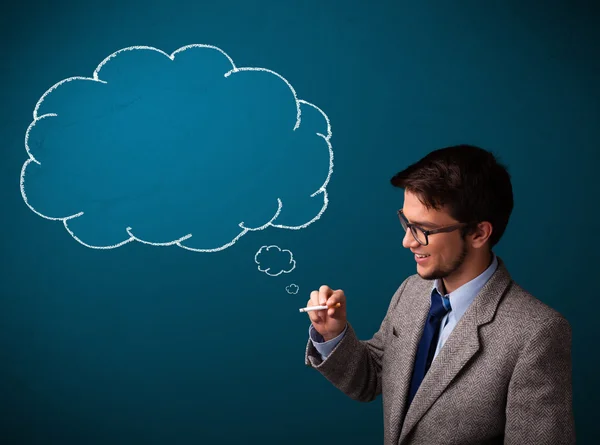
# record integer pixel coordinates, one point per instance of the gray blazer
(503, 375)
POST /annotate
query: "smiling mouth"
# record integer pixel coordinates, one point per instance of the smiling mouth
(421, 259)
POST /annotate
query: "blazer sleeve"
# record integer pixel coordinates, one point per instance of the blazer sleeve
(539, 406)
(354, 366)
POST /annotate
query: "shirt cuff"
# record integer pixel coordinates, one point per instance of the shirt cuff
(324, 347)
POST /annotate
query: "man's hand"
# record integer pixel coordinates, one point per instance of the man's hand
(328, 322)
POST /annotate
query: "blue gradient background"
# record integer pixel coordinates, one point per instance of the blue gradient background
(161, 345)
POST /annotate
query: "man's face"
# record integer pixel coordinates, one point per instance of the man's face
(446, 251)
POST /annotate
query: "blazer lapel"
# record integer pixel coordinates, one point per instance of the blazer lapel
(408, 323)
(461, 345)
(458, 349)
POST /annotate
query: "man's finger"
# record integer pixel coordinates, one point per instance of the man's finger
(315, 316)
(337, 296)
(324, 293)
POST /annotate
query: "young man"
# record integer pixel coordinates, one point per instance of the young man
(464, 355)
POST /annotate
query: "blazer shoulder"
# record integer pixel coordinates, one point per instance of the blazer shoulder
(523, 307)
(407, 285)
(415, 283)
(412, 287)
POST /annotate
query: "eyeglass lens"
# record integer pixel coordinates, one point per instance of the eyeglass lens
(417, 233)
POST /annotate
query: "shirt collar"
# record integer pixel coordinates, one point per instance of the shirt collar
(461, 298)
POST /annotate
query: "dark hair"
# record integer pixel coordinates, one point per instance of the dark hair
(465, 179)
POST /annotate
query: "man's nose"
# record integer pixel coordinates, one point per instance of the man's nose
(409, 240)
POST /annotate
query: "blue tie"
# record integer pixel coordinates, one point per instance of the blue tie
(440, 306)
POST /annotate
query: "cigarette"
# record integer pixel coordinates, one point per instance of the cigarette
(318, 308)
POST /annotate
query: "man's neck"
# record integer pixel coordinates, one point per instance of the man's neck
(470, 270)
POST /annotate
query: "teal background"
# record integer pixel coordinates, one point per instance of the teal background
(160, 345)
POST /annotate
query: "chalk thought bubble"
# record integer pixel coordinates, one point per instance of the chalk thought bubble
(181, 149)
(274, 261)
(292, 289)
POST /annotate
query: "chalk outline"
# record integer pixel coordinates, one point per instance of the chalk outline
(292, 293)
(132, 237)
(292, 260)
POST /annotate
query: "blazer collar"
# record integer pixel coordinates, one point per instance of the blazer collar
(460, 346)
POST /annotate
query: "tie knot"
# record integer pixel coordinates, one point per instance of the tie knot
(440, 306)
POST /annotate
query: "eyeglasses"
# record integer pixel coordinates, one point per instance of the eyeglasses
(422, 235)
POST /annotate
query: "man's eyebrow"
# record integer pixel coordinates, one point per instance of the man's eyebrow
(422, 223)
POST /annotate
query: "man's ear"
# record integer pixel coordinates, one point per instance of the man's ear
(481, 234)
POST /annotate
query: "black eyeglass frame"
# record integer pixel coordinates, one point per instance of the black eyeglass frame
(413, 227)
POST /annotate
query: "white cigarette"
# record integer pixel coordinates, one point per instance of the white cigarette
(317, 308)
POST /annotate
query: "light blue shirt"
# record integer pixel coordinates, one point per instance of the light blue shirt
(460, 300)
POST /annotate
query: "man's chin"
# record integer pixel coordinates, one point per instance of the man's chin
(429, 274)
(426, 277)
